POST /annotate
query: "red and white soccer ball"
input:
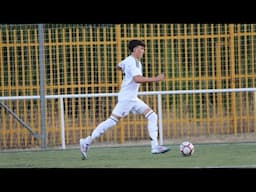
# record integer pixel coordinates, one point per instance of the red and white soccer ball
(186, 148)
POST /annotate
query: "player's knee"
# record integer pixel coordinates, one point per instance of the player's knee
(114, 120)
(151, 115)
(152, 121)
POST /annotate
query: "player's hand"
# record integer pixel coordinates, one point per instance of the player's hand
(160, 77)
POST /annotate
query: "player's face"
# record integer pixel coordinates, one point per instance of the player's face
(139, 51)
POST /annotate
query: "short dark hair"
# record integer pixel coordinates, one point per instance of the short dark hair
(135, 43)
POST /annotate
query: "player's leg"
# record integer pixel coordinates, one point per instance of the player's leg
(153, 132)
(103, 126)
(121, 109)
(151, 116)
(100, 129)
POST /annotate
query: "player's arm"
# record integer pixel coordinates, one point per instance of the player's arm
(142, 79)
(118, 67)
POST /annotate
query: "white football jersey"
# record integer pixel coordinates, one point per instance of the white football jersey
(129, 88)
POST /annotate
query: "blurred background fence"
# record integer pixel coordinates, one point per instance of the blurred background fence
(58, 81)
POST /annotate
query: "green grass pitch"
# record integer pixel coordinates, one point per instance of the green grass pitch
(222, 155)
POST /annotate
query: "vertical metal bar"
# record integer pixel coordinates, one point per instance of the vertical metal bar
(254, 108)
(119, 75)
(62, 122)
(233, 75)
(160, 115)
(42, 90)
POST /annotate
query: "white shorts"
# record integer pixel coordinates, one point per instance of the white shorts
(123, 108)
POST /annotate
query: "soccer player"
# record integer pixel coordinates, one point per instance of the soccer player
(128, 100)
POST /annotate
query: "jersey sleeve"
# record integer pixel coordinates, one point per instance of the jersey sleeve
(135, 70)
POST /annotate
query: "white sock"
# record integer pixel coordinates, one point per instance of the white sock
(103, 126)
(152, 128)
